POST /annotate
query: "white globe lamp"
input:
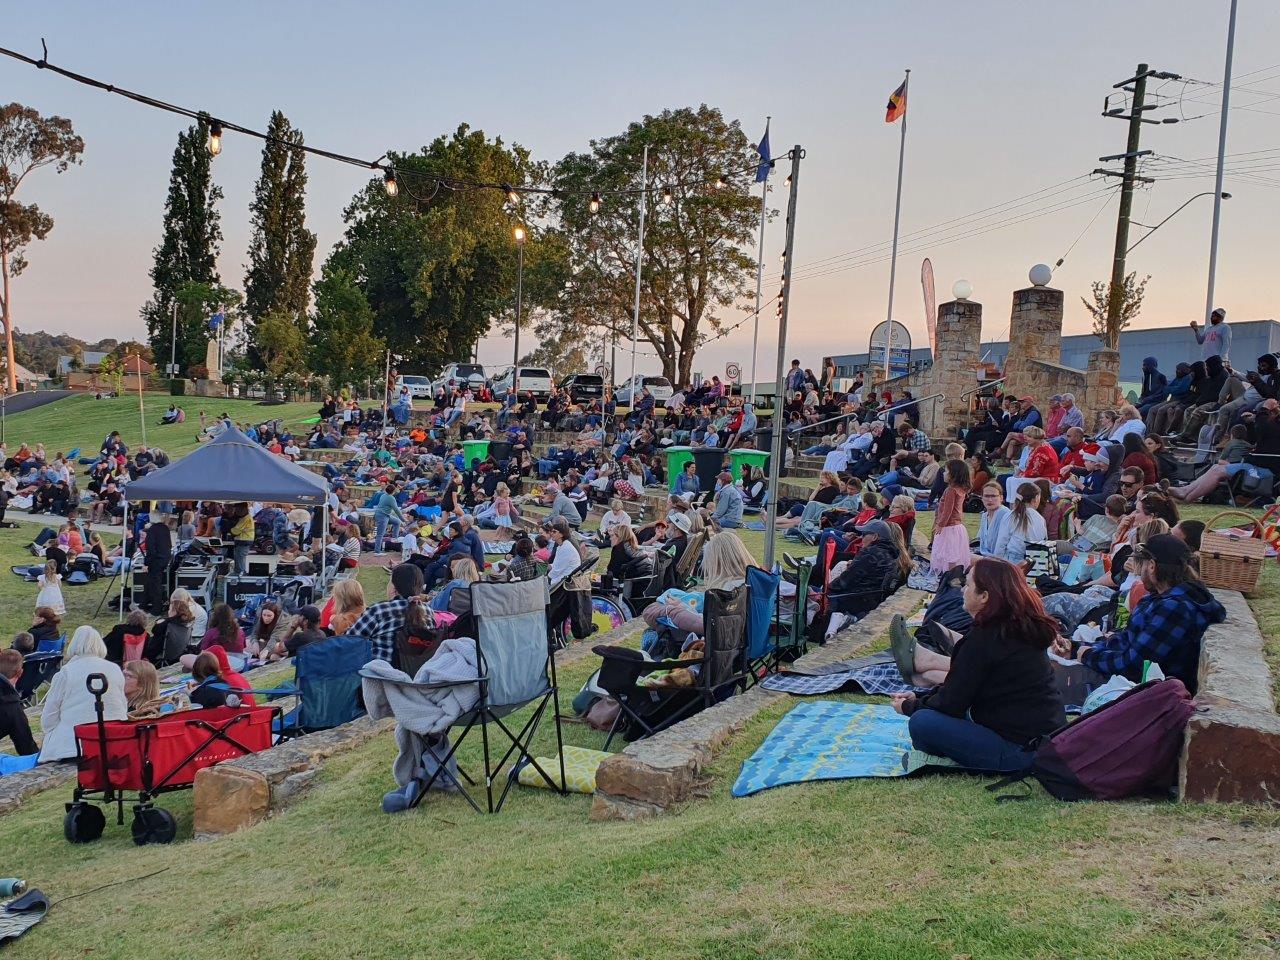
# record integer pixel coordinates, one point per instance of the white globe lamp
(1040, 275)
(962, 289)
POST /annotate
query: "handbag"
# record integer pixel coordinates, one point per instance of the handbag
(1084, 565)
(1043, 560)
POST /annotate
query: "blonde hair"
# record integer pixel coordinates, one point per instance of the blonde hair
(502, 490)
(180, 606)
(1033, 432)
(899, 538)
(616, 504)
(50, 568)
(1127, 412)
(724, 560)
(148, 682)
(464, 569)
(623, 535)
(954, 451)
(348, 595)
(1149, 529)
(830, 477)
(903, 502)
(697, 521)
(85, 642)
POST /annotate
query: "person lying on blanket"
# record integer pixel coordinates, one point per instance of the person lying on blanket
(995, 695)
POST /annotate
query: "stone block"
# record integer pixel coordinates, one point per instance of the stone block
(228, 799)
(17, 788)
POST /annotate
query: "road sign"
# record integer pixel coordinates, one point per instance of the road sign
(896, 339)
(602, 369)
(733, 372)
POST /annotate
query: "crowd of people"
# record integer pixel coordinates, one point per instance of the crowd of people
(1042, 490)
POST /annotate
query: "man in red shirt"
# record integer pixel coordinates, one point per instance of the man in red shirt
(1073, 456)
(1053, 419)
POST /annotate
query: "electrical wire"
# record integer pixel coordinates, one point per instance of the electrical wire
(449, 182)
(113, 883)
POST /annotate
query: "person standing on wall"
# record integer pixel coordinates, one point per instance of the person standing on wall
(1215, 340)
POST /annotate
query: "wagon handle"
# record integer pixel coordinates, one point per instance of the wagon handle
(97, 685)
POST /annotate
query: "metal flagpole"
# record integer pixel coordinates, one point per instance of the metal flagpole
(635, 317)
(1222, 149)
(173, 342)
(755, 330)
(775, 446)
(386, 385)
(897, 214)
(142, 413)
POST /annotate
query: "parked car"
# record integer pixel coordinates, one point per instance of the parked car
(535, 380)
(418, 386)
(459, 374)
(659, 388)
(583, 386)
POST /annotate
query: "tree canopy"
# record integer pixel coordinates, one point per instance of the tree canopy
(343, 346)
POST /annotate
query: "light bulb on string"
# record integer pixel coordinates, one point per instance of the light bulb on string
(389, 182)
(787, 182)
(215, 138)
(510, 191)
(519, 234)
(666, 195)
(719, 183)
(594, 205)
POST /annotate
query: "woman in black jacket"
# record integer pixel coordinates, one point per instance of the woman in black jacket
(995, 695)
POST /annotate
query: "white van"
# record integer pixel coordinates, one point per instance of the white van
(419, 387)
(659, 388)
(459, 375)
(535, 380)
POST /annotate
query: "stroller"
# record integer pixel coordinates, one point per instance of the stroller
(150, 757)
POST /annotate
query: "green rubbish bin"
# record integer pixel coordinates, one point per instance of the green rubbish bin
(677, 457)
(474, 450)
(740, 455)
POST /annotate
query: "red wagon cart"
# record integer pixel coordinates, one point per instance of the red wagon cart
(150, 757)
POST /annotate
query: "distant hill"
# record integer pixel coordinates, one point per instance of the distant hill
(39, 351)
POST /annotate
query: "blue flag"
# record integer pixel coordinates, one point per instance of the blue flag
(766, 161)
(216, 320)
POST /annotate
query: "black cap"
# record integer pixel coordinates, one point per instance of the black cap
(1164, 548)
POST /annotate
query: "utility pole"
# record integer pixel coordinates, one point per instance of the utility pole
(1139, 91)
(776, 454)
(1218, 195)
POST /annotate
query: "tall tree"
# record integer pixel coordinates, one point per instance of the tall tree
(28, 142)
(695, 245)
(343, 346)
(282, 249)
(279, 343)
(1114, 310)
(188, 250)
(437, 262)
(197, 303)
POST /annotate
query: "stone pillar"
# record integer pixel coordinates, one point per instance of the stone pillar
(955, 368)
(1035, 333)
(1102, 383)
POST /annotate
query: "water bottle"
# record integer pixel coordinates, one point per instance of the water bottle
(12, 887)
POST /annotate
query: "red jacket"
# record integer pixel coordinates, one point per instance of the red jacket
(1043, 462)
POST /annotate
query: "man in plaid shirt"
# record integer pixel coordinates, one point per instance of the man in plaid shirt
(1169, 622)
(381, 622)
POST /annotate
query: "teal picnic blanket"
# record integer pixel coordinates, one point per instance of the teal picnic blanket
(833, 740)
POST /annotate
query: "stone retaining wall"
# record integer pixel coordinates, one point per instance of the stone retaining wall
(17, 788)
(653, 775)
(1232, 747)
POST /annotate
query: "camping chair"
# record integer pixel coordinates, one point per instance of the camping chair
(721, 669)
(869, 597)
(566, 603)
(327, 684)
(52, 646)
(791, 635)
(642, 591)
(37, 669)
(516, 669)
(762, 605)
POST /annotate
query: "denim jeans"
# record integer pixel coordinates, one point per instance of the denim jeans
(969, 744)
(381, 523)
(241, 554)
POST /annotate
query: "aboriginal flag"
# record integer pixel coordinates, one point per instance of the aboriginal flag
(897, 104)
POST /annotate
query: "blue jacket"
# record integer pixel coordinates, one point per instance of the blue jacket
(687, 483)
(1180, 388)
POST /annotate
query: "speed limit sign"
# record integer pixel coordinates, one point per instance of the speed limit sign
(602, 369)
(733, 372)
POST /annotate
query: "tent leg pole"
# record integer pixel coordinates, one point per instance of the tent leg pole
(127, 579)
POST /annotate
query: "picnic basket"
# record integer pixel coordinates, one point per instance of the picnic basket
(1231, 560)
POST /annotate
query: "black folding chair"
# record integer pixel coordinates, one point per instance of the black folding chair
(721, 671)
(37, 669)
(642, 591)
(566, 604)
(515, 669)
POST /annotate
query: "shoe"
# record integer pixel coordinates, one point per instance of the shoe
(398, 801)
(903, 645)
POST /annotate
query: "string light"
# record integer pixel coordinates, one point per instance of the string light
(594, 205)
(389, 182)
(510, 191)
(215, 137)
(666, 195)
(519, 234)
(719, 183)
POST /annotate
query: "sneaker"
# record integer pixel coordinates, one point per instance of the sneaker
(397, 801)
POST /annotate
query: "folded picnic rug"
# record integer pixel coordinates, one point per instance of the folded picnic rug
(831, 740)
(875, 674)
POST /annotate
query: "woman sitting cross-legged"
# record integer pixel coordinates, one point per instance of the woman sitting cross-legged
(995, 696)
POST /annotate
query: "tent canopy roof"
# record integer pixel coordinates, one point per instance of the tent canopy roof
(231, 468)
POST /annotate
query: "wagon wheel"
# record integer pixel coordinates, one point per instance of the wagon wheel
(153, 825)
(83, 823)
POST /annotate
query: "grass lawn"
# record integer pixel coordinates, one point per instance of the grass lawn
(81, 421)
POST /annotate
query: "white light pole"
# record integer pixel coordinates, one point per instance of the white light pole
(1222, 151)
(635, 317)
(515, 362)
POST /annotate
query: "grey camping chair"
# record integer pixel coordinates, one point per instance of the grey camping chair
(516, 669)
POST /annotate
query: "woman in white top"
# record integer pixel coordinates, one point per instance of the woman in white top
(69, 701)
(1023, 525)
(566, 554)
(1128, 420)
(994, 516)
(613, 517)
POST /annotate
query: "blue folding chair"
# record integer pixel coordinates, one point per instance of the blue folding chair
(762, 606)
(327, 684)
(52, 646)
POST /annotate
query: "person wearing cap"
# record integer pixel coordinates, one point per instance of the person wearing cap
(729, 502)
(561, 506)
(1168, 624)
(1155, 386)
(380, 622)
(857, 588)
(1215, 339)
(305, 630)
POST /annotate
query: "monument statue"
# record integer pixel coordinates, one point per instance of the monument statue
(211, 360)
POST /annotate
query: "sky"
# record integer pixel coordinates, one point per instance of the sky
(1004, 114)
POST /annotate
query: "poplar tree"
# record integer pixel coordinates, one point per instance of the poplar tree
(188, 250)
(281, 249)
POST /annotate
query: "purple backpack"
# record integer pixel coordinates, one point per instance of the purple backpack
(1126, 748)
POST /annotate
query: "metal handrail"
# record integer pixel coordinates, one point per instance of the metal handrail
(809, 427)
(982, 386)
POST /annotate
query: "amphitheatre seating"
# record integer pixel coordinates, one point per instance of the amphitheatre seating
(1232, 748)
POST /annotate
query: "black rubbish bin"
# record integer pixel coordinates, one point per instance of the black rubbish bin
(708, 462)
(500, 450)
(764, 441)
